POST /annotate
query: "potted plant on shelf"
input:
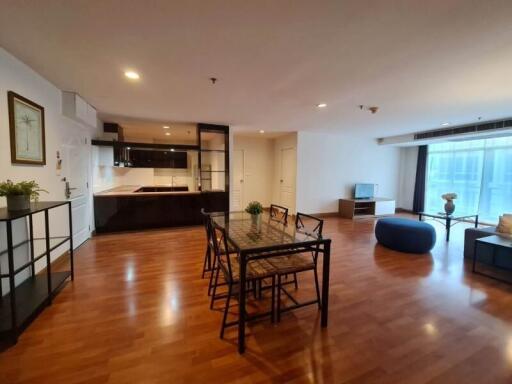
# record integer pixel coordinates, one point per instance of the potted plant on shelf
(19, 195)
(449, 207)
(255, 209)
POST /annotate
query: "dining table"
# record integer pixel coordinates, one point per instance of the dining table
(263, 237)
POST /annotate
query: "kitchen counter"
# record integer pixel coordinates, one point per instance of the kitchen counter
(124, 208)
(131, 190)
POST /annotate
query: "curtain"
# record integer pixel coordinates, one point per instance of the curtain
(418, 204)
(479, 171)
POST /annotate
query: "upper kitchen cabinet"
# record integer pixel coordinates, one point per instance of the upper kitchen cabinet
(154, 158)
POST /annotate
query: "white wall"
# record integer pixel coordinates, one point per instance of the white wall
(408, 162)
(328, 166)
(259, 168)
(16, 76)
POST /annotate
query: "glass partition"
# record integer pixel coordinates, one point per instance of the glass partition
(479, 171)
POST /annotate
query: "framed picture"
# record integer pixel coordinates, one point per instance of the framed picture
(26, 123)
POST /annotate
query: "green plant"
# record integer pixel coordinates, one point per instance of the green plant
(27, 188)
(254, 208)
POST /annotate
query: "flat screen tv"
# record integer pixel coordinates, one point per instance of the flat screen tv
(364, 191)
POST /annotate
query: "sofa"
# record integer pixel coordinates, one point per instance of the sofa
(484, 253)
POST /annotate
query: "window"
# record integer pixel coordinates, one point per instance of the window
(479, 171)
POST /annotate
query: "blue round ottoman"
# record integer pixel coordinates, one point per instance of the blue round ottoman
(405, 235)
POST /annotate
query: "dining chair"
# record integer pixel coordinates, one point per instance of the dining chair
(207, 264)
(210, 263)
(279, 213)
(229, 266)
(294, 264)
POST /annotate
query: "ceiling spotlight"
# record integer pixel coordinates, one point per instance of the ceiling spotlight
(321, 105)
(262, 131)
(172, 149)
(167, 134)
(445, 124)
(166, 127)
(132, 75)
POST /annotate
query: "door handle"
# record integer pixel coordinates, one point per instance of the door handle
(68, 190)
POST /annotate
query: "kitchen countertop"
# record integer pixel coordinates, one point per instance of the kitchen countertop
(129, 190)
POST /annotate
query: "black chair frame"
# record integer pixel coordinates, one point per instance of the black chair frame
(316, 231)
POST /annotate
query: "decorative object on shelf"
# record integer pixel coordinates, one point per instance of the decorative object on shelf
(505, 224)
(26, 123)
(19, 195)
(449, 207)
(255, 209)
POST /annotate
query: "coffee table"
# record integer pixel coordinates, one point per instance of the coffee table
(497, 243)
(448, 220)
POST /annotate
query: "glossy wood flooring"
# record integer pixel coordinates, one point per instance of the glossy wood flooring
(138, 313)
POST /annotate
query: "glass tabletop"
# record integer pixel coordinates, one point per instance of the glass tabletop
(444, 215)
(267, 234)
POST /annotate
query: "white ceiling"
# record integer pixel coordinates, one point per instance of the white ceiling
(422, 62)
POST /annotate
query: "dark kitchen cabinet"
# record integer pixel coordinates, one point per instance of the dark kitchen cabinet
(141, 158)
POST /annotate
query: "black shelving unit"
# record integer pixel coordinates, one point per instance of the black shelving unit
(26, 300)
(206, 174)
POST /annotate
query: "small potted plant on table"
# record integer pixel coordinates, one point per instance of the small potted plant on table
(19, 195)
(255, 209)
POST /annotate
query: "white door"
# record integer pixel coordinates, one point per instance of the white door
(76, 172)
(238, 179)
(287, 178)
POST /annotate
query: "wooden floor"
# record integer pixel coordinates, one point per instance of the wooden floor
(137, 312)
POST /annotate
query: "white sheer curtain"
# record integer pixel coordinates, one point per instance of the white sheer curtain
(479, 171)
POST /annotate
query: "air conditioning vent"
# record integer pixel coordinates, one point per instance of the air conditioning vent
(502, 124)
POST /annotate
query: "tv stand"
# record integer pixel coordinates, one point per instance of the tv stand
(359, 208)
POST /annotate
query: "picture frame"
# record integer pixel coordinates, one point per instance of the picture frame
(27, 130)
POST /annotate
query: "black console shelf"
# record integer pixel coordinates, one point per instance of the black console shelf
(25, 301)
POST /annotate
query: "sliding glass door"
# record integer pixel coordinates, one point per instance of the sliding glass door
(479, 171)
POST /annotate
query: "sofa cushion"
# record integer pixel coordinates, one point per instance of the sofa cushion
(505, 224)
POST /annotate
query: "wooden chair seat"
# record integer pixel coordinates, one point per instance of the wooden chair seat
(291, 263)
(256, 269)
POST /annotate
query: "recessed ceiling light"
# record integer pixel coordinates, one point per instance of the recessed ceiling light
(132, 75)
(167, 134)
(172, 149)
(166, 127)
(445, 124)
(321, 105)
(262, 131)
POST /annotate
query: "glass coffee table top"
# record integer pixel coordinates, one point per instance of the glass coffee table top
(444, 215)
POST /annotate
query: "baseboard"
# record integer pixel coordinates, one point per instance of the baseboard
(403, 210)
(325, 214)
